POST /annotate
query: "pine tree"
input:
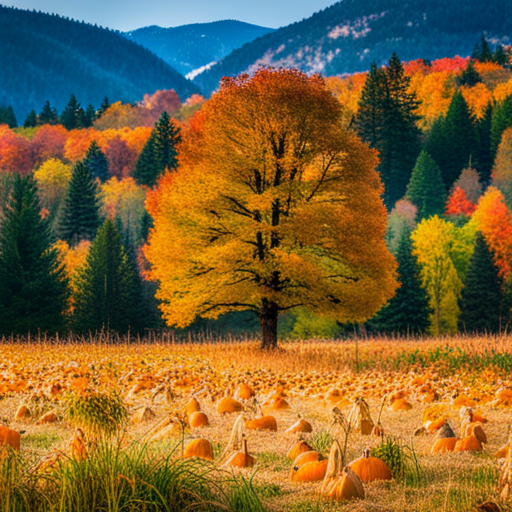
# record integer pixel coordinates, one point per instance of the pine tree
(435, 144)
(48, 114)
(483, 155)
(426, 189)
(89, 116)
(482, 51)
(482, 293)
(159, 153)
(108, 297)
(96, 162)
(501, 120)
(103, 108)
(500, 57)
(469, 76)
(80, 218)
(408, 312)
(70, 117)
(8, 117)
(459, 133)
(31, 120)
(33, 287)
(387, 121)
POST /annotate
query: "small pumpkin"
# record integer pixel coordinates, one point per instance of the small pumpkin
(401, 404)
(502, 452)
(369, 468)
(300, 426)
(244, 392)
(263, 423)
(303, 458)
(228, 405)
(241, 459)
(277, 403)
(198, 419)
(310, 471)
(444, 445)
(193, 406)
(22, 413)
(10, 437)
(297, 449)
(201, 448)
(476, 430)
(468, 444)
(49, 417)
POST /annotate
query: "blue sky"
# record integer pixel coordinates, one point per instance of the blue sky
(129, 14)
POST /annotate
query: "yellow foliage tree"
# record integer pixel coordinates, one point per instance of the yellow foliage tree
(276, 205)
(443, 252)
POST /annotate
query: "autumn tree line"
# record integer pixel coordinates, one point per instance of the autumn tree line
(256, 206)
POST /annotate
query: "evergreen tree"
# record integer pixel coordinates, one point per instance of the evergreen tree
(146, 163)
(31, 120)
(48, 114)
(408, 311)
(7, 117)
(103, 108)
(96, 162)
(70, 117)
(483, 155)
(435, 144)
(426, 188)
(459, 136)
(482, 51)
(469, 76)
(80, 218)
(108, 296)
(387, 121)
(89, 117)
(501, 120)
(482, 295)
(33, 287)
(500, 57)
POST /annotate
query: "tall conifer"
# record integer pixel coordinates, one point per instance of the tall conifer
(96, 162)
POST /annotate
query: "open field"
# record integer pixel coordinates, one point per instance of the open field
(163, 376)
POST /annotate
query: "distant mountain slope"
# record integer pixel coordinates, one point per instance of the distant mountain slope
(351, 34)
(46, 57)
(190, 47)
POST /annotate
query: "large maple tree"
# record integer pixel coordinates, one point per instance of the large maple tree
(276, 205)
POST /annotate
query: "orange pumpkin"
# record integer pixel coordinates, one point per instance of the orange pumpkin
(401, 404)
(201, 448)
(476, 430)
(22, 412)
(369, 468)
(193, 406)
(242, 459)
(263, 423)
(245, 392)
(300, 426)
(310, 471)
(10, 437)
(228, 405)
(444, 445)
(347, 486)
(198, 419)
(303, 458)
(297, 449)
(468, 444)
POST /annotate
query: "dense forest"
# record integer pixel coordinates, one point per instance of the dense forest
(348, 36)
(48, 57)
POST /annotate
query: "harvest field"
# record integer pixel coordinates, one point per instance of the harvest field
(157, 380)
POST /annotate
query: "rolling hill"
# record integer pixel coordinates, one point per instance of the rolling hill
(348, 36)
(190, 47)
(47, 57)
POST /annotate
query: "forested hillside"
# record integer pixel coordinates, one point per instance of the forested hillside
(190, 47)
(47, 57)
(350, 35)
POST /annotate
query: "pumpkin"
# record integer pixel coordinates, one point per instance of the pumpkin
(303, 458)
(278, 403)
(300, 426)
(310, 471)
(468, 444)
(193, 406)
(9, 437)
(228, 405)
(476, 430)
(22, 412)
(369, 468)
(198, 419)
(340, 485)
(201, 448)
(435, 425)
(401, 404)
(444, 445)
(49, 417)
(263, 423)
(502, 452)
(244, 392)
(297, 449)
(241, 459)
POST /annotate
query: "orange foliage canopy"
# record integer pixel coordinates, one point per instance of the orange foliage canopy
(15, 153)
(459, 204)
(494, 220)
(276, 204)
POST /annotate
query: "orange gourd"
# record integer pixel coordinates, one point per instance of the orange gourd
(198, 419)
(241, 459)
(300, 426)
(310, 471)
(263, 423)
(193, 406)
(201, 448)
(369, 468)
(468, 444)
(303, 458)
(444, 445)
(297, 449)
(228, 405)
(9, 437)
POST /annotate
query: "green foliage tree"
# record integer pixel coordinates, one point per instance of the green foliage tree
(96, 162)
(31, 120)
(8, 117)
(386, 120)
(33, 286)
(48, 114)
(70, 117)
(482, 51)
(408, 312)
(482, 295)
(501, 120)
(470, 76)
(80, 217)
(108, 296)
(426, 188)
(483, 156)
(159, 153)
(89, 116)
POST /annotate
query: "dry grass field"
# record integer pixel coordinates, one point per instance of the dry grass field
(312, 377)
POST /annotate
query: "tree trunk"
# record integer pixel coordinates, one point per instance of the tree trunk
(268, 320)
